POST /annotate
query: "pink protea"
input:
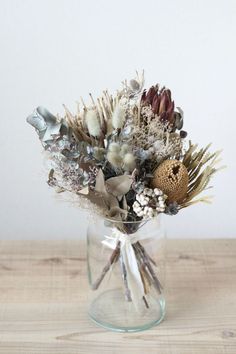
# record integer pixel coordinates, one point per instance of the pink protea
(162, 105)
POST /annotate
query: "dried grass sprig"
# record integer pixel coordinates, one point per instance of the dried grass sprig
(199, 174)
(104, 107)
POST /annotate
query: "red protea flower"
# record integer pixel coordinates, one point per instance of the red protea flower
(162, 105)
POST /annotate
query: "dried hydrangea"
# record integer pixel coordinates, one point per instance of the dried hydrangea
(68, 175)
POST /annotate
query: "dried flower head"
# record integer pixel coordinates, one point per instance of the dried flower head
(120, 157)
(172, 177)
(118, 116)
(149, 203)
(160, 101)
(93, 123)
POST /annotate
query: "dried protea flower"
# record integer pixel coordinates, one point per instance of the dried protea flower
(162, 105)
(172, 178)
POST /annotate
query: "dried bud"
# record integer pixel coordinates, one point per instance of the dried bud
(114, 158)
(93, 123)
(118, 116)
(135, 86)
(129, 162)
(183, 134)
(161, 103)
(124, 149)
(114, 147)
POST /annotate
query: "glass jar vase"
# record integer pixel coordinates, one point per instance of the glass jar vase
(126, 272)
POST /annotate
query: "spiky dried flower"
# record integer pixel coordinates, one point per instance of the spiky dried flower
(201, 166)
(172, 177)
(162, 105)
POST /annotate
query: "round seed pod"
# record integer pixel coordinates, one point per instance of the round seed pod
(171, 177)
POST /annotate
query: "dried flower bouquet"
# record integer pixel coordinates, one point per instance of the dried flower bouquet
(126, 158)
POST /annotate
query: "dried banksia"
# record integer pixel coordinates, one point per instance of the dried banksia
(171, 177)
(162, 105)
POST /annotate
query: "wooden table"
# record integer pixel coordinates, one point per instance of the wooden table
(43, 300)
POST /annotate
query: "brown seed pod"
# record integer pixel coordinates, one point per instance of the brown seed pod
(171, 177)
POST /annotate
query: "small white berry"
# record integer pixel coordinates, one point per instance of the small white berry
(149, 192)
(157, 191)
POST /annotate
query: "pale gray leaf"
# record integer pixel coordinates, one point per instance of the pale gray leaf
(119, 185)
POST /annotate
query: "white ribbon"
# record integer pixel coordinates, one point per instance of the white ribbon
(134, 279)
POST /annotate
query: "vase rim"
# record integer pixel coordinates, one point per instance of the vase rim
(144, 221)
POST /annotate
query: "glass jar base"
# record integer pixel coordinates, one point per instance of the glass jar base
(110, 310)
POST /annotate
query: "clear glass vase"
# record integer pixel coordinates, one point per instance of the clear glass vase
(126, 272)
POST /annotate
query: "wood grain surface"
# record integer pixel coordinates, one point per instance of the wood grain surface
(43, 301)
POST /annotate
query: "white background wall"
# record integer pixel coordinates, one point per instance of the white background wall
(54, 51)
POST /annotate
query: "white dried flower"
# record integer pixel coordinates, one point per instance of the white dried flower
(124, 149)
(119, 156)
(149, 203)
(118, 116)
(93, 123)
(99, 153)
(114, 158)
(114, 147)
(129, 162)
(157, 191)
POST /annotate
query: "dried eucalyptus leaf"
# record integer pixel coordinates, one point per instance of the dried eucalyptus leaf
(45, 123)
(84, 191)
(112, 201)
(100, 187)
(119, 185)
(100, 183)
